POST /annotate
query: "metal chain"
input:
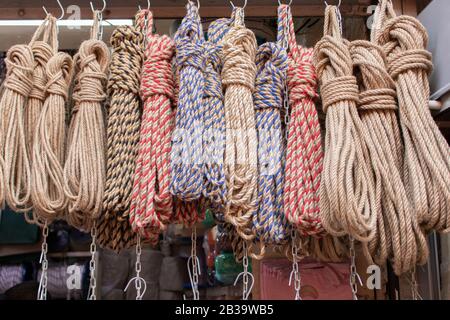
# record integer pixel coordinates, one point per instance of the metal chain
(92, 265)
(195, 264)
(295, 273)
(353, 272)
(100, 25)
(42, 291)
(415, 286)
(139, 283)
(247, 277)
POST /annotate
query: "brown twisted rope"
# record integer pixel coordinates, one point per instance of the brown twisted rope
(349, 202)
(123, 131)
(84, 170)
(24, 79)
(238, 79)
(426, 164)
(47, 186)
(398, 235)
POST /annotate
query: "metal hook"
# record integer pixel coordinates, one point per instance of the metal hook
(339, 4)
(138, 281)
(60, 6)
(243, 7)
(252, 278)
(148, 6)
(279, 3)
(198, 4)
(103, 9)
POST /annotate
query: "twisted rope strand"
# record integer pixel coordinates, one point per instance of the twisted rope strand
(152, 206)
(304, 152)
(269, 221)
(49, 199)
(238, 80)
(84, 170)
(349, 199)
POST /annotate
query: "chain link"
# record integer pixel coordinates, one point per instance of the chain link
(295, 273)
(247, 277)
(195, 264)
(139, 283)
(93, 265)
(42, 291)
(354, 276)
(415, 294)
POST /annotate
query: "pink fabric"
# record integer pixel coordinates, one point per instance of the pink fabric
(320, 281)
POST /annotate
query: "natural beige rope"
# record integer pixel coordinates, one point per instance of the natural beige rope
(23, 79)
(47, 186)
(349, 202)
(398, 235)
(427, 154)
(84, 170)
(238, 79)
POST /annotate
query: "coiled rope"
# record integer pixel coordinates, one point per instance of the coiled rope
(152, 206)
(304, 155)
(25, 78)
(124, 122)
(187, 143)
(238, 80)
(270, 224)
(426, 166)
(84, 170)
(47, 187)
(348, 202)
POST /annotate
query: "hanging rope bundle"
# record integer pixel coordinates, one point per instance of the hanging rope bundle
(123, 115)
(123, 126)
(25, 77)
(214, 121)
(84, 170)
(187, 143)
(152, 205)
(399, 236)
(47, 188)
(427, 161)
(238, 80)
(304, 152)
(269, 221)
(349, 201)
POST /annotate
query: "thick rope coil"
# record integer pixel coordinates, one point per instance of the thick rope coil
(214, 122)
(398, 236)
(123, 116)
(84, 170)
(152, 206)
(123, 127)
(25, 78)
(270, 224)
(187, 161)
(349, 203)
(427, 155)
(304, 148)
(238, 80)
(47, 186)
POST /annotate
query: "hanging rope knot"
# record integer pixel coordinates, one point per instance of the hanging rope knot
(125, 69)
(238, 51)
(409, 60)
(93, 62)
(213, 85)
(378, 99)
(302, 78)
(339, 89)
(191, 54)
(42, 52)
(157, 71)
(59, 74)
(409, 35)
(271, 62)
(19, 63)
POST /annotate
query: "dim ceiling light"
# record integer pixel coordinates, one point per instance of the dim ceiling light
(66, 23)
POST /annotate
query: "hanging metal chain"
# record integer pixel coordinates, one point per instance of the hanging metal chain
(100, 25)
(93, 265)
(139, 283)
(295, 273)
(247, 277)
(42, 291)
(354, 276)
(194, 265)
